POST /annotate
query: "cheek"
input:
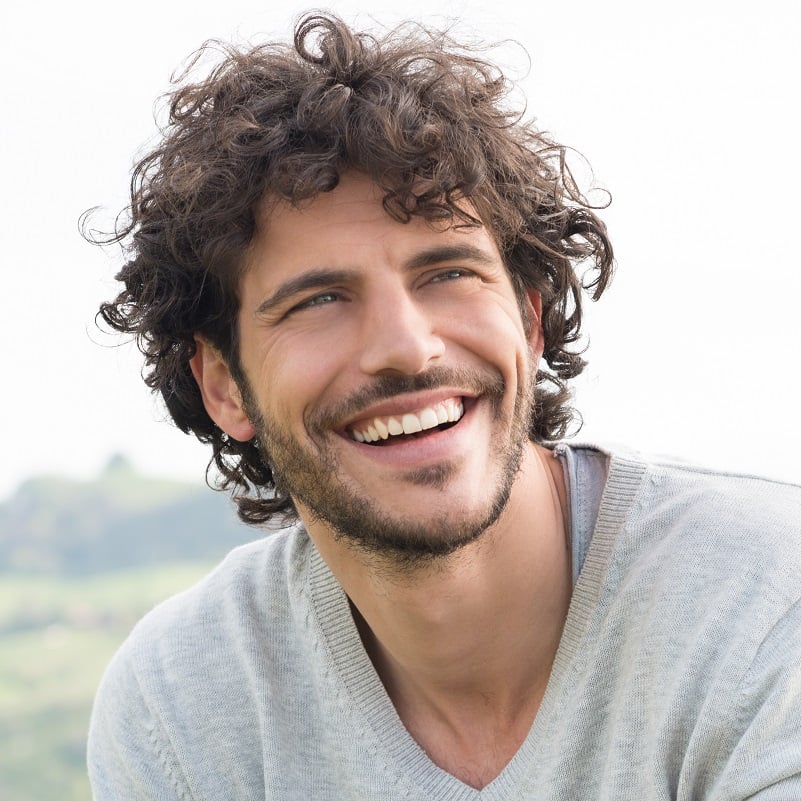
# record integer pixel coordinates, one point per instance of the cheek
(291, 356)
(296, 382)
(497, 334)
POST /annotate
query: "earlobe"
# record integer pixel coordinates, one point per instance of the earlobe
(219, 391)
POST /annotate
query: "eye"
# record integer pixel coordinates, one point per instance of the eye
(451, 275)
(323, 299)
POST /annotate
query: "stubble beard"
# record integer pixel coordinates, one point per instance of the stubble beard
(313, 480)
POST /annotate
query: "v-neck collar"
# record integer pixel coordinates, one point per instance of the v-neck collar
(374, 714)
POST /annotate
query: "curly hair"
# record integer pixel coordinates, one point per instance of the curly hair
(424, 118)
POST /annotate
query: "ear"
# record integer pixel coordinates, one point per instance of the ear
(533, 303)
(219, 391)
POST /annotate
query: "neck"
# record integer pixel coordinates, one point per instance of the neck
(465, 645)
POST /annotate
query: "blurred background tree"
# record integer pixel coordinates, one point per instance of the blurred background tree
(80, 563)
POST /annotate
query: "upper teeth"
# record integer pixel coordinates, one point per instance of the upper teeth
(447, 411)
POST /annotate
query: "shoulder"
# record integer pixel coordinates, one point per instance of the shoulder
(684, 551)
(199, 662)
(671, 493)
(200, 666)
(701, 529)
(250, 593)
(690, 603)
(733, 509)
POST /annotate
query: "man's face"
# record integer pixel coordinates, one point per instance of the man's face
(389, 375)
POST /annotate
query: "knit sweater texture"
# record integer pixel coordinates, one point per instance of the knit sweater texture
(678, 675)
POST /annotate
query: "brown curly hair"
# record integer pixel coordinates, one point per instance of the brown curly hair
(425, 118)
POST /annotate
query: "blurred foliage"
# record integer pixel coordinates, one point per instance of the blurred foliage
(57, 636)
(80, 563)
(59, 526)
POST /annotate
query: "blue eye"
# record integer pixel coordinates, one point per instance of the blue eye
(451, 275)
(323, 299)
(320, 300)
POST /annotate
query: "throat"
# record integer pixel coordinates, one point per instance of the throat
(473, 748)
(468, 734)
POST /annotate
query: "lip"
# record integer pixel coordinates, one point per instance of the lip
(400, 404)
(420, 451)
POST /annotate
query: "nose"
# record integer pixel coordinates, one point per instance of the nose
(399, 336)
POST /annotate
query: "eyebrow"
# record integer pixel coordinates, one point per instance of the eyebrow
(441, 253)
(323, 277)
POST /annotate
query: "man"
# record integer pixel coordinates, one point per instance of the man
(353, 272)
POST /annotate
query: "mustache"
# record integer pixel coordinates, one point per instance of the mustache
(474, 381)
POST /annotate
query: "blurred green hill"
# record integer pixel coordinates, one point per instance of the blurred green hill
(80, 563)
(58, 526)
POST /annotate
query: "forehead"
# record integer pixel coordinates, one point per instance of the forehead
(347, 227)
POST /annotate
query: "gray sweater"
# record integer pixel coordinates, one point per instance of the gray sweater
(678, 675)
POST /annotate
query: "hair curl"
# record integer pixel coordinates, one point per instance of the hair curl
(424, 118)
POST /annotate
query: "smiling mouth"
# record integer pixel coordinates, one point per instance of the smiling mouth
(379, 430)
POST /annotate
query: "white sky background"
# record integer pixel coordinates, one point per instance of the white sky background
(686, 111)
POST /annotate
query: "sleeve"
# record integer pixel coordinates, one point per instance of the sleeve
(129, 756)
(764, 763)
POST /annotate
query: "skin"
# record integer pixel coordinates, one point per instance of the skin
(347, 315)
